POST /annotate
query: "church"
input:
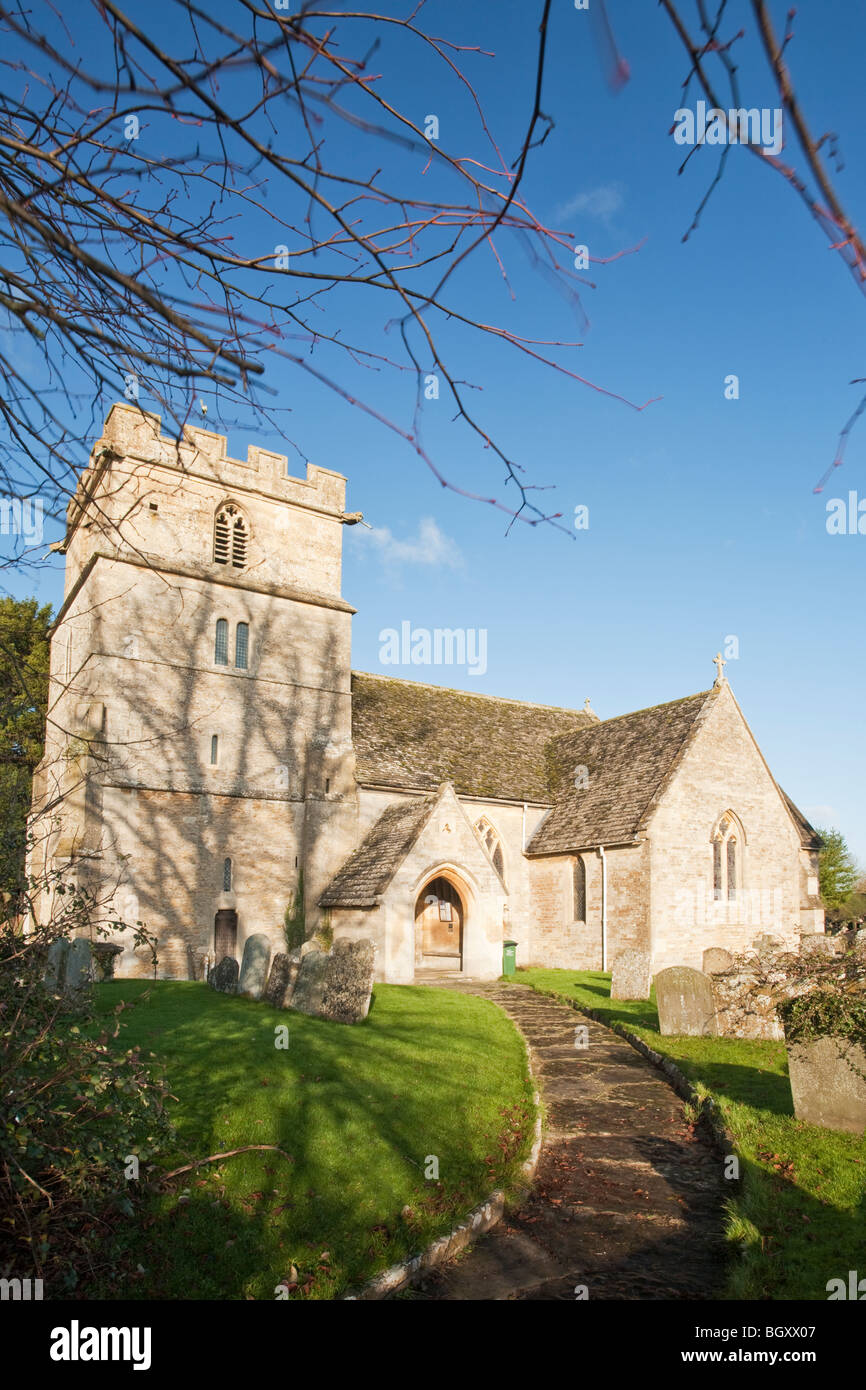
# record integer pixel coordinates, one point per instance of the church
(212, 759)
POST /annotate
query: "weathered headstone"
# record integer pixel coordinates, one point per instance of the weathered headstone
(280, 981)
(55, 965)
(717, 961)
(685, 1003)
(767, 945)
(860, 942)
(349, 981)
(79, 970)
(829, 1089)
(254, 966)
(105, 954)
(309, 995)
(224, 978)
(631, 976)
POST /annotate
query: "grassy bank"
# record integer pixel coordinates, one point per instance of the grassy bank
(360, 1114)
(798, 1219)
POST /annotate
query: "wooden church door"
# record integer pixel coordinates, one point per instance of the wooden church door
(439, 925)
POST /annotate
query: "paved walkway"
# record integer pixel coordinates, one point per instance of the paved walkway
(626, 1200)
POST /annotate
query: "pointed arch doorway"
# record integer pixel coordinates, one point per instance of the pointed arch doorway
(439, 917)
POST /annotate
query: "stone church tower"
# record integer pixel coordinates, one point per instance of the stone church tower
(199, 756)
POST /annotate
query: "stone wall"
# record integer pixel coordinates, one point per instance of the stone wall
(722, 770)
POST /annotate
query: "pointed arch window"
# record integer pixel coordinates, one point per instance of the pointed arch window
(221, 643)
(242, 646)
(728, 840)
(579, 889)
(230, 537)
(492, 843)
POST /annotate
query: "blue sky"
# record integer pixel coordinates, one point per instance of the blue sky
(703, 521)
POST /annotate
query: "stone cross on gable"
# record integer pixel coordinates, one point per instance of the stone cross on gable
(720, 665)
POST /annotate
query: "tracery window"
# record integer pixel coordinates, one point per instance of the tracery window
(492, 843)
(727, 858)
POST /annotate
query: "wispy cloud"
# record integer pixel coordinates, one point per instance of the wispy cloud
(602, 203)
(429, 546)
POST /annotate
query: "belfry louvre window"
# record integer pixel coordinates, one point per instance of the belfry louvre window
(221, 643)
(242, 646)
(230, 537)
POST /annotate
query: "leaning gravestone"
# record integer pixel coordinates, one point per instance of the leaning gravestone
(55, 965)
(309, 995)
(224, 978)
(828, 1083)
(280, 981)
(349, 981)
(254, 966)
(685, 1003)
(717, 961)
(631, 976)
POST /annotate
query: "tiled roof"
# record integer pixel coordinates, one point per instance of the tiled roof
(418, 736)
(367, 873)
(626, 761)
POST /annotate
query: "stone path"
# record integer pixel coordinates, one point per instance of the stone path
(626, 1200)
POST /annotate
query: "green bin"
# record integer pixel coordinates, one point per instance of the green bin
(509, 950)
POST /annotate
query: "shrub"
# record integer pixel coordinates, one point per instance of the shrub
(72, 1112)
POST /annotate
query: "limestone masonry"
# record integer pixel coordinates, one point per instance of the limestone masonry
(211, 758)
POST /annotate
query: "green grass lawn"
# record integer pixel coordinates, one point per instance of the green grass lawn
(358, 1109)
(799, 1216)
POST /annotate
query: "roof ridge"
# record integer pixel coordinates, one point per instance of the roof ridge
(472, 694)
(648, 709)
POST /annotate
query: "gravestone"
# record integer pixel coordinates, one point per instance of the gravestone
(309, 995)
(280, 981)
(79, 971)
(717, 961)
(685, 1003)
(829, 1089)
(105, 954)
(767, 945)
(224, 978)
(860, 942)
(55, 965)
(631, 976)
(349, 981)
(254, 966)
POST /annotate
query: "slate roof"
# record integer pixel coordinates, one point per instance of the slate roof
(627, 760)
(368, 871)
(417, 736)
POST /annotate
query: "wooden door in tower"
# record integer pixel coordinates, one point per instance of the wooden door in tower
(439, 925)
(225, 934)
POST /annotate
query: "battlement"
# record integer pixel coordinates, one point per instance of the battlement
(136, 435)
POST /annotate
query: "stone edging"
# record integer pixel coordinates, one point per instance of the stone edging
(480, 1220)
